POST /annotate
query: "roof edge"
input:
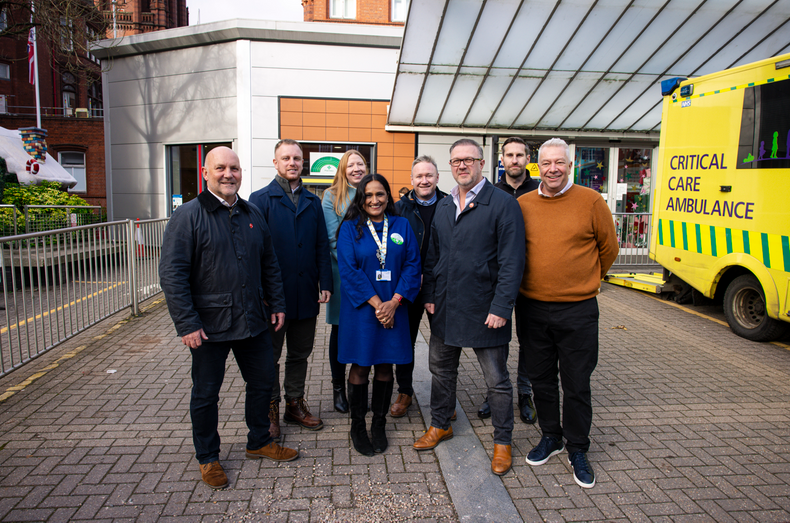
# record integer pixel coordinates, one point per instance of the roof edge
(647, 136)
(356, 35)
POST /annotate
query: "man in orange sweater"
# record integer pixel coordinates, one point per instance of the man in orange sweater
(570, 244)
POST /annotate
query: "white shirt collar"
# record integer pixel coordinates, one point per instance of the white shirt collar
(222, 200)
(563, 191)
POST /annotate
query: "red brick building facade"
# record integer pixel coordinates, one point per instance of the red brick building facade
(382, 12)
(72, 106)
(133, 17)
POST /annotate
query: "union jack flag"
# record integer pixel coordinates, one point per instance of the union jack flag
(31, 58)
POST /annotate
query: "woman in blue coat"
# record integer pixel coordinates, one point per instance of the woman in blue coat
(379, 262)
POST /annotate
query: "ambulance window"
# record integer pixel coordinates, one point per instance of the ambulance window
(765, 127)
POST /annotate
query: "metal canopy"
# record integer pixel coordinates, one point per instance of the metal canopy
(572, 67)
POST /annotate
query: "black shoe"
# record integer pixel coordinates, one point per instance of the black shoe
(484, 412)
(339, 396)
(547, 448)
(527, 409)
(582, 470)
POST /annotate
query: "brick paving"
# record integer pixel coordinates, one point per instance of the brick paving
(690, 424)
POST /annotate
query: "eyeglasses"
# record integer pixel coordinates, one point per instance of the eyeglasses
(456, 162)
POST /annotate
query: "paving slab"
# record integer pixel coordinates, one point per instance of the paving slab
(690, 423)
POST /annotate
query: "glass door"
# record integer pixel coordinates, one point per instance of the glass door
(184, 176)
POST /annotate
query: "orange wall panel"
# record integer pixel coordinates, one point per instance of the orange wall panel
(290, 118)
(291, 104)
(315, 119)
(337, 134)
(292, 132)
(359, 135)
(314, 133)
(337, 106)
(360, 107)
(361, 121)
(351, 121)
(314, 106)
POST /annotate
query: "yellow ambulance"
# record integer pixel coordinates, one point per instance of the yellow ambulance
(721, 216)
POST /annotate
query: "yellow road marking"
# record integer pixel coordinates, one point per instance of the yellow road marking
(62, 307)
(701, 315)
(10, 391)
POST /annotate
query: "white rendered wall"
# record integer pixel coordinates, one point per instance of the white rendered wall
(309, 71)
(176, 97)
(438, 146)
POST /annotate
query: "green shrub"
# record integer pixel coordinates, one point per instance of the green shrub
(45, 193)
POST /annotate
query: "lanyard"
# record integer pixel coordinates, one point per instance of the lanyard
(381, 253)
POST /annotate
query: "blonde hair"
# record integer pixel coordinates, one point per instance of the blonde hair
(339, 187)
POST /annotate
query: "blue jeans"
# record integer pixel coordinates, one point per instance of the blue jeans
(254, 358)
(522, 318)
(443, 364)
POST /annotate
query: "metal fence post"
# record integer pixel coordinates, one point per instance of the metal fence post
(132, 254)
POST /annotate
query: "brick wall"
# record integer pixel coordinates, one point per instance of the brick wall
(368, 12)
(355, 121)
(74, 134)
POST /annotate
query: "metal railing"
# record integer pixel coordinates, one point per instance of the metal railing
(62, 112)
(8, 220)
(40, 218)
(58, 283)
(633, 233)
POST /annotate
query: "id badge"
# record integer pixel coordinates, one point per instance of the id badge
(383, 275)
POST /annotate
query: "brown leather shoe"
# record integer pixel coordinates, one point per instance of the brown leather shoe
(274, 420)
(296, 411)
(274, 452)
(214, 475)
(433, 437)
(401, 405)
(502, 461)
(454, 416)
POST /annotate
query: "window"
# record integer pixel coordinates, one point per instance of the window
(343, 9)
(95, 104)
(3, 20)
(69, 93)
(66, 42)
(400, 8)
(185, 181)
(5, 72)
(74, 163)
(765, 127)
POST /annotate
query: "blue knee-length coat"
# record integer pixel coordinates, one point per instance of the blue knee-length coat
(362, 339)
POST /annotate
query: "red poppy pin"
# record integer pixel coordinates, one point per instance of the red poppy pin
(250, 226)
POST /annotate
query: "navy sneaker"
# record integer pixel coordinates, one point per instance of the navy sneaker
(582, 470)
(547, 448)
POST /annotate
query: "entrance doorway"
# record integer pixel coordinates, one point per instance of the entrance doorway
(183, 171)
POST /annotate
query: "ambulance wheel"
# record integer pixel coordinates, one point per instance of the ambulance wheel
(744, 308)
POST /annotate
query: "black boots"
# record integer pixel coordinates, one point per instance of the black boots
(339, 396)
(380, 404)
(358, 401)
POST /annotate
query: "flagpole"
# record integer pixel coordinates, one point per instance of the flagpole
(35, 65)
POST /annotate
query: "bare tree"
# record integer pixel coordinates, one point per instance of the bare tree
(66, 27)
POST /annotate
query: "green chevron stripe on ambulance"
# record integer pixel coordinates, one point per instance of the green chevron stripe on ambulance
(772, 250)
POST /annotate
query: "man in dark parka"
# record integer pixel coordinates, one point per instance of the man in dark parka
(470, 283)
(296, 221)
(216, 268)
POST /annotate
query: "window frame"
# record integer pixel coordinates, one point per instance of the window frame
(405, 4)
(82, 184)
(347, 5)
